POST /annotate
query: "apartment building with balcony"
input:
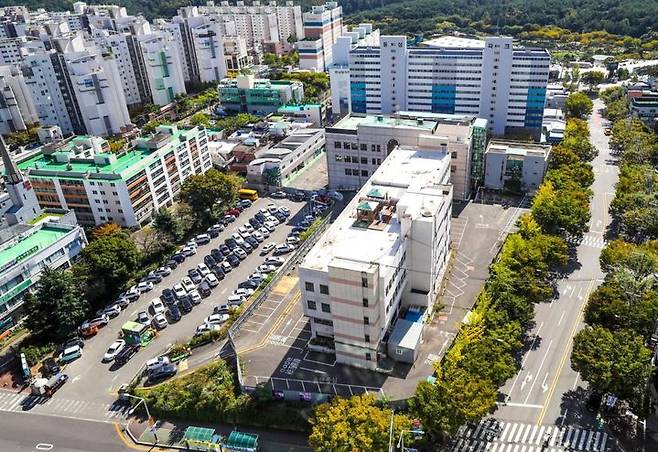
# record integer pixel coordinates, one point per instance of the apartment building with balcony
(383, 258)
(322, 27)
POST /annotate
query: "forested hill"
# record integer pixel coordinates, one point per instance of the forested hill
(624, 17)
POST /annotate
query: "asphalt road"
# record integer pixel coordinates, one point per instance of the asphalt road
(546, 390)
(29, 433)
(92, 387)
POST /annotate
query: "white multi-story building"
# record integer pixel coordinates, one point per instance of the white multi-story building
(17, 111)
(357, 145)
(515, 165)
(322, 27)
(80, 174)
(382, 259)
(491, 78)
(163, 68)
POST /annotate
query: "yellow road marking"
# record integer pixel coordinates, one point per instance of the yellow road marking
(565, 355)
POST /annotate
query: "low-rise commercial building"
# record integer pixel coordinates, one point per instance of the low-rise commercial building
(314, 114)
(358, 144)
(515, 166)
(382, 259)
(81, 174)
(258, 96)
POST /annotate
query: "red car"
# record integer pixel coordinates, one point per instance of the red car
(235, 212)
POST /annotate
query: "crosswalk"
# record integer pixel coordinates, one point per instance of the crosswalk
(491, 436)
(593, 241)
(12, 401)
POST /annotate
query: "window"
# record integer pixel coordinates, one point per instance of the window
(348, 159)
(311, 304)
(364, 173)
(348, 171)
(337, 144)
(326, 307)
(364, 147)
(366, 320)
(364, 282)
(368, 358)
(309, 286)
(339, 158)
(399, 351)
(453, 154)
(324, 289)
(366, 338)
(364, 161)
(365, 302)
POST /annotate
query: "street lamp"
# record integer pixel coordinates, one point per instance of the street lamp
(416, 432)
(133, 409)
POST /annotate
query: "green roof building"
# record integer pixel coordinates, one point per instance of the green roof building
(247, 94)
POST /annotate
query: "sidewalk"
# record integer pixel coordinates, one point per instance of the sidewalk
(170, 435)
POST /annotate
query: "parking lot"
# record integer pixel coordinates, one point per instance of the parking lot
(93, 384)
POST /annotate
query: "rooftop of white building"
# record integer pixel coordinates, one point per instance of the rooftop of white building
(517, 148)
(455, 42)
(352, 122)
(410, 183)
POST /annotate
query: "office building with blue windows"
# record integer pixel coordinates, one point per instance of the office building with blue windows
(492, 79)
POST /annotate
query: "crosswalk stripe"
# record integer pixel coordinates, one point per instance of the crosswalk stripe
(525, 435)
(477, 430)
(589, 439)
(510, 431)
(581, 444)
(17, 401)
(597, 437)
(605, 438)
(532, 439)
(519, 433)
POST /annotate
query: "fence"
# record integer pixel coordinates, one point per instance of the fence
(283, 270)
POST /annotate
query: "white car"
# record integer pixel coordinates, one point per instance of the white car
(188, 251)
(195, 296)
(163, 271)
(283, 248)
(264, 231)
(235, 300)
(202, 239)
(160, 321)
(205, 327)
(249, 228)
(145, 286)
(157, 306)
(179, 291)
(240, 253)
(187, 284)
(226, 267)
(284, 210)
(275, 222)
(156, 363)
(257, 277)
(267, 248)
(203, 269)
(238, 239)
(258, 236)
(143, 318)
(269, 226)
(112, 310)
(264, 268)
(272, 208)
(243, 231)
(293, 240)
(114, 350)
(216, 319)
(212, 280)
(243, 292)
(276, 261)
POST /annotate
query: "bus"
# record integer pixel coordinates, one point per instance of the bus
(246, 193)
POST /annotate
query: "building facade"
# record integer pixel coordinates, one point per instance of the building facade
(80, 174)
(515, 166)
(383, 257)
(322, 27)
(492, 79)
(259, 96)
(357, 145)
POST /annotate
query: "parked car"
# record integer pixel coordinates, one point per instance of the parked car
(212, 280)
(156, 363)
(70, 354)
(203, 269)
(213, 233)
(123, 302)
(235, 300)
(99, 321)
(248, 284)
(157, 306)
(264, 268)
(168, 296)
(245, 203)
(264, 231)
(112, 310)
(160, 321)
(194, 275)
(131, 294)
(163, 271)
(216, 255)
(126, 353)
(278, 195)
(187, 284)
(257, 277)
(222, 309)
(246, 247)
(194, 296)
(113, 350)
(174, 314)
(255, 223)
(209, 261)
(276, 261)
(252, 241)
(204, 289)
(227, 266)
(233, 260)
(219, 227)
(145, 286)
(188, 251)
(185, 304)
(297, 196)
(143, 318)
(293, 240)
(283, 248)
(216, 319)
(228, 218)
(284, 210)
(243, 292)
(205, 327)
(219, 272)
(179, 291)
(258, 236)
(50, 367)
(172, 264)
(71, 341)
(240, 253)
(152, 277)
(224, 249)
(179, 257)
(202, 239)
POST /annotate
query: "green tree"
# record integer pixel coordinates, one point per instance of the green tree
(611, 362)
(206, 193)
(200, 119)
(109, 262)
(57, 306)
(354, 424)
(169, 224)
(561, 211)
(578, 105)
(593, 78)
(232, 123)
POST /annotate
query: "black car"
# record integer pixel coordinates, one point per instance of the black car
(73, 340)
(178, 257)
(213, 233)
(50, 367)
(172, 264)
(218, 271)
(255, 223)
(185, 304)
(128, 352)
(209, 261)
(252, 241)
(260, 217)
(248, 284)
(168, 296)
(204, 289)
(224, 249)
(216, 254)
(297, 196)
(233, 260)
(174, 313)
(163, 372)
(299, 229)
(231, 243)
(154, 278)
(281, 217)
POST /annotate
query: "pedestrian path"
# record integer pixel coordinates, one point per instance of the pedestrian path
(492, 436)
(20, 402)
(591, 240)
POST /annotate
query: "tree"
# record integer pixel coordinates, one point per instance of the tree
(169, 224)
(200, 119)
(205, 193)
(593, 78)
(611, 362)
(354, 424)
(233, 123)
(57, 307)
(105, 229)
(109, 261)
(578, 105)
(561, 211)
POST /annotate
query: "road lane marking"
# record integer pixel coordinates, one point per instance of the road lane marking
(561, 317)
(44, 446)
(541, 364)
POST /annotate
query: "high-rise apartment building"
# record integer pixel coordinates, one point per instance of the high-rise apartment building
(382, 260)
(492, 79)
(322, 27)
(17, 111)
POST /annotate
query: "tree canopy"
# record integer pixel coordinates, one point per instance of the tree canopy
(207, 194)
(578, 105)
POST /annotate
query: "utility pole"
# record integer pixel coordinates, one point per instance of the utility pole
(390, 433)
